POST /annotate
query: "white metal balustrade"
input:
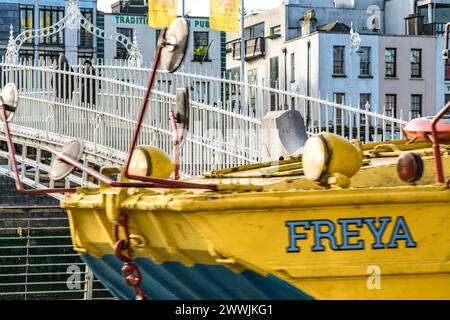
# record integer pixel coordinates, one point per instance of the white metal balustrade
(225, 114)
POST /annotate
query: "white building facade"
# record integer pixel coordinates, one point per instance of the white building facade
(319, 62)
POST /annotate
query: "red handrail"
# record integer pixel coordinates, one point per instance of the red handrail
(436, 147)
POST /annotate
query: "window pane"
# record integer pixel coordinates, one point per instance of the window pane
(49, 16)
(253, 80)
(157, 35)
(274, 76)
(201, 45)
(255, 31)
(274, 72)
(338, 60)
(447, 72)
(390, 60)
(416, 61)
(364, 98)
(122, 52)
(416, 106)
(339, 98)
(27, 19)
(292, 67)
(391, 105)
(365, 61)
(86, 38)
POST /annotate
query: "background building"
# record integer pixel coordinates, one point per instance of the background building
(400, 71)
(36, 14)
(205, 53)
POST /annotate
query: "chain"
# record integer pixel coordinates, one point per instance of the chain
(130, 270)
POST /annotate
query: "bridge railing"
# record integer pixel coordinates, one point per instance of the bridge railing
(102, 108)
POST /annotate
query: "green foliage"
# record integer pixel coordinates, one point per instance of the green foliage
(201, 52)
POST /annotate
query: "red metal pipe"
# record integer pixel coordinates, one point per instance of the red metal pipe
(162, 183)
(173, 184)
(99, 176)
(147, 182)
(436, 147)
(12, 154)
(145, 103)
(176, 145)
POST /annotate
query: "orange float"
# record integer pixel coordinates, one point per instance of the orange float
(420, 129)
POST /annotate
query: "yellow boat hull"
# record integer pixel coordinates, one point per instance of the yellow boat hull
(374, 243)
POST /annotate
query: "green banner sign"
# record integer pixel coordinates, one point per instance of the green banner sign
(130, 20)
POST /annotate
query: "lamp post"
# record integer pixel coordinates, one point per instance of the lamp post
(243, 54)
(242, 40)
(355, 45)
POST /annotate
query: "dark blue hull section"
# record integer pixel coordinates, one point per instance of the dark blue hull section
(174, 281)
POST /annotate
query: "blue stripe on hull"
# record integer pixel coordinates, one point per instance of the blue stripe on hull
(174, 281)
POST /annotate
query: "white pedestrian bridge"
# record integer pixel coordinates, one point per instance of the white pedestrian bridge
(225, 117)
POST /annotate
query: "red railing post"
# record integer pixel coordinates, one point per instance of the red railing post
(436, 147)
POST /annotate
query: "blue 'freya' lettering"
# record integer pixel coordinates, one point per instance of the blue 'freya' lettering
(346, 234)
(319, 234)
(404, 235)
(377, 233)
(294, 236)
(326, 230)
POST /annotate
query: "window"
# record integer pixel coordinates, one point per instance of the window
(416, 63)
(201, 45)
(274, 77)
(364, 98)
(255, 31)
(47, 17)
(390, 57)
(391, 105)
(253, 80)
(447, 71)
(339, 98)
(157, 35)
(338, 60)
(292, 67)
(86, 38)
(26, 54)
(447, 98)
(122, 52)
(416, 106)
(83, 56)
(49, 55)
(275, 31)
(364, 104)
(365, 63)
(27, 19)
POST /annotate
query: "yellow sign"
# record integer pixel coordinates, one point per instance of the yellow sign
(161, 13)
(224, 15)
